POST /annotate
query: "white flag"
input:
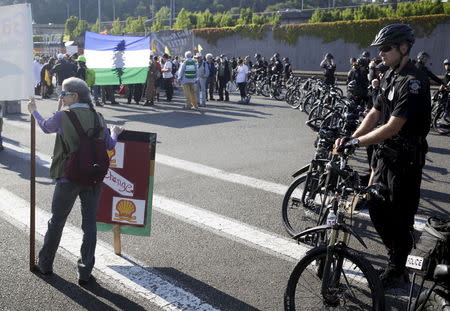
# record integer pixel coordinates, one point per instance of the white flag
(16, 52)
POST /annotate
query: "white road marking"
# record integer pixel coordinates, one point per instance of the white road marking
(134, 277)
(200, 169)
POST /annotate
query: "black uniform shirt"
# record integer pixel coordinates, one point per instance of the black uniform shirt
(406, 95)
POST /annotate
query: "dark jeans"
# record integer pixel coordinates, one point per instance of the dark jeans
(223, 86)
(394, 218)
(107, 94)
(134, 91)
(210, 85)
(168, 86)
(242, 86)
(64, 197)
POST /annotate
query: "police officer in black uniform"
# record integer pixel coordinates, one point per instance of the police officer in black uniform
(403, 108)
(422, 59)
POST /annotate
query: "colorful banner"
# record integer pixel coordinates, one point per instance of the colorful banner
(127, 193)
(117, 59)
(16, 52)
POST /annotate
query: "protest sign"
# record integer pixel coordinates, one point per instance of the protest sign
(16, 52)
(126, 198)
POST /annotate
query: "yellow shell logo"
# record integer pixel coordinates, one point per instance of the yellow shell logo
(125, 209)
(111, 154)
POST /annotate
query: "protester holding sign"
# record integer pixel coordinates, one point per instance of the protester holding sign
(75, 96)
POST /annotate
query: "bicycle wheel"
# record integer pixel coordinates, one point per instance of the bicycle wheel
(439, 300)
(250, 87)
(308, 103)
(301, 207)
(354, 287)
(439, 123)
(265, 89)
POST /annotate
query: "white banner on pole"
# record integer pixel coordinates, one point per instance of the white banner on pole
(16, 52)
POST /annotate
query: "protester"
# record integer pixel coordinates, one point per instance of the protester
(75, 96)
(187, 75)
(167, 76)
(46, 78)
(241, 80)
(63, 70)
(224, 74)
(152, 75)
(202, 77)
(159, 78)
(211, 81)
(2, 115)
(81, 68)
(37, 67)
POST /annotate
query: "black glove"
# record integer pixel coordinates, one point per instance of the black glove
(349, 144)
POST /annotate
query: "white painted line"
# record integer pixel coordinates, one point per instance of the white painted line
(134, 277)
(231, 228)
(45, 160)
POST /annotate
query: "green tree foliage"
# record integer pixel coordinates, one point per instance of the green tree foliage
(206, 19)
(94, 28)
(116, 28)
(134, 25)
(374, 11)
(81, 28)
(183, 20)
(161, 18)
(246, 17)
(71, 24)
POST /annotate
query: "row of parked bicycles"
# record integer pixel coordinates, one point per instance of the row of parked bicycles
(318, 211)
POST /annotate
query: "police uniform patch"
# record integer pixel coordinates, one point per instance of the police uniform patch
(414, 86)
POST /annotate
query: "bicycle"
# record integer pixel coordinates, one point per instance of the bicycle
(334, 276)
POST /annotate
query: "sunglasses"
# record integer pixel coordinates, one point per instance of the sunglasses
(64, 93)
(385, 48)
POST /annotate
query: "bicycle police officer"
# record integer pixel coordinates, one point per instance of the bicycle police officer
(403, 108)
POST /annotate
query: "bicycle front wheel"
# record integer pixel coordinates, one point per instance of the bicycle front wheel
(352, 283)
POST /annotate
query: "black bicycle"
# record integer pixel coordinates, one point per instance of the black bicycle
(334, 276)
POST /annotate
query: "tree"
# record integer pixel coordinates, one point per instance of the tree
(246, 16)
(71, 24)
(81, 28)
(116, 28)
(183, 20)
(94, 28)
(205, 19)
(161, 17)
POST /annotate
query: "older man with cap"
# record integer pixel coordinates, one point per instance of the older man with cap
(187, 75)
(202, 77)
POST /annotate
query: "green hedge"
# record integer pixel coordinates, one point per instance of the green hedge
(360, 32)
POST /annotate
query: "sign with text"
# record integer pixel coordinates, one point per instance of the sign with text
(127, 194)
(16, 52)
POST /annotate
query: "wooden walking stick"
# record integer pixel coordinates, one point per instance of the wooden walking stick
(32, 194)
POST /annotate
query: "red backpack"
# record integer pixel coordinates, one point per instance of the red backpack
(89, 164)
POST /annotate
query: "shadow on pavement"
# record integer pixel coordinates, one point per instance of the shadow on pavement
(88, 296)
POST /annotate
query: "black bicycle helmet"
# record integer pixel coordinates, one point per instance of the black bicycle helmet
(394, 34)
(382, 67)
(276, 55)
(447, 62)
(423, 55)
(361, 62)
(286, 59)
(329, 56)
(365, 54)
(352, 86)
(257, 55)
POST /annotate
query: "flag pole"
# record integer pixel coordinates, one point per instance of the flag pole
(33, 194)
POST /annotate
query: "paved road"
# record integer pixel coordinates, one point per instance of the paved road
(217, 240)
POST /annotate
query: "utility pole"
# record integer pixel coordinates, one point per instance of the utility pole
(171, 13)
(79, 10)
(114, 9)
(68, 12)
(99, 17)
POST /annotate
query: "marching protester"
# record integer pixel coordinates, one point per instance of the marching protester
(211, 82)
(187, 75)
(75, 97)
(167, 76)
(202, 77)
(46, 78)
(37, 67)
(81, 68)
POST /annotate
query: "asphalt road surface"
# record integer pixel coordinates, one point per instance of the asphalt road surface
(217, 241)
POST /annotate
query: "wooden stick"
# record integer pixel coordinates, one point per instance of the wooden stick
(117, 244)
(33, 195)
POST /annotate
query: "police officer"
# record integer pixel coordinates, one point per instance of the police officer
(403, 109)
(422, 59)
(329, 67)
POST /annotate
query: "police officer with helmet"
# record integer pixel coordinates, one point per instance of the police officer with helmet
(422, 59)
(403, 108)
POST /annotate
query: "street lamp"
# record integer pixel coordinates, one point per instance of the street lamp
(99, 16)
(79, 10)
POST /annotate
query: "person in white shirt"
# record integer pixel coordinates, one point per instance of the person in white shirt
(241, 80)
(167, 77)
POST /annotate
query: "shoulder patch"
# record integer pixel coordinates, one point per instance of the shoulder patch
(414, 86)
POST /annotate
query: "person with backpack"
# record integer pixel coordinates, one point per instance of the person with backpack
(77, 173)
(187, 75)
